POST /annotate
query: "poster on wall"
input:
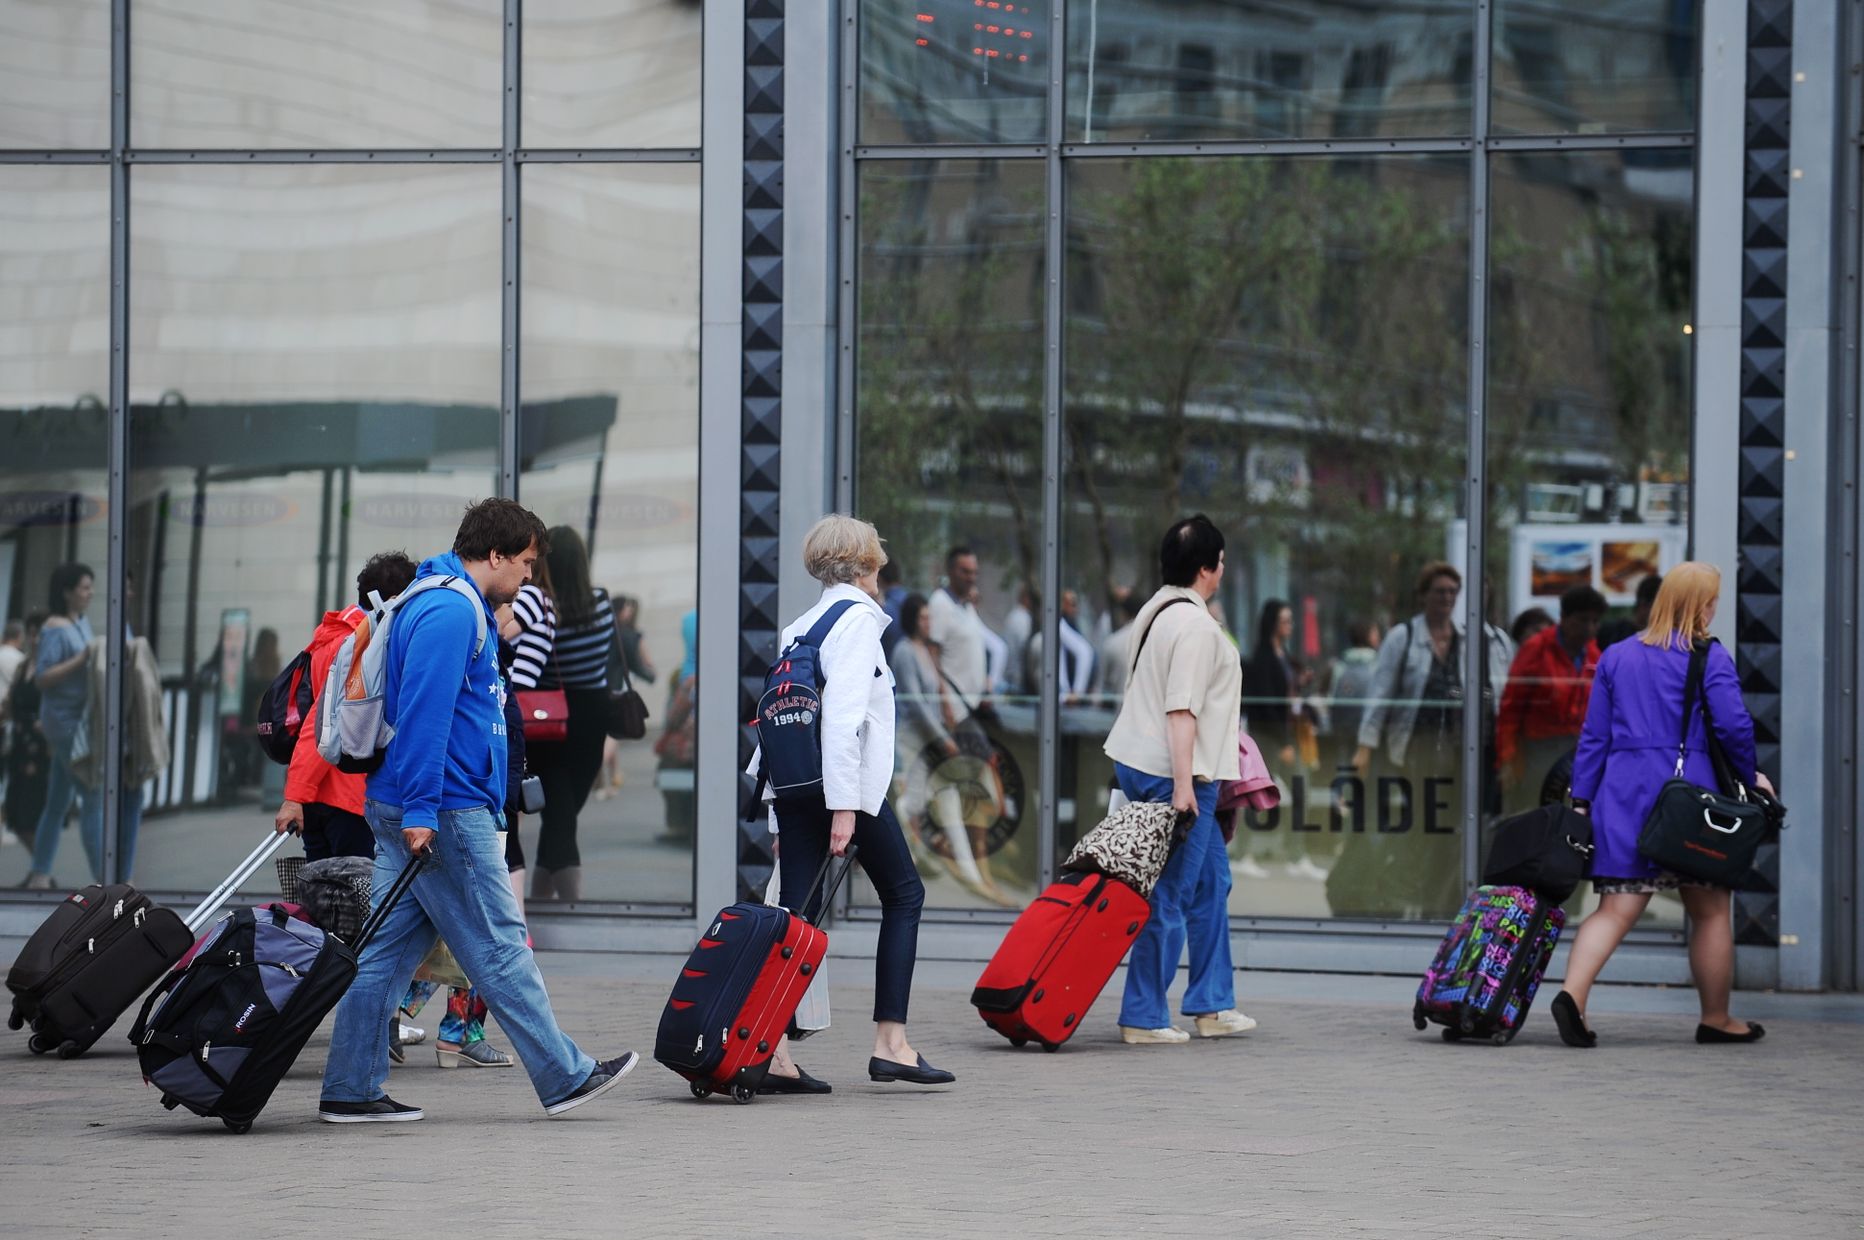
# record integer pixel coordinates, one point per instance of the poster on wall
(1545, 561)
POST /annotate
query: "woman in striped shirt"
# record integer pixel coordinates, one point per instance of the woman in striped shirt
(576, 660)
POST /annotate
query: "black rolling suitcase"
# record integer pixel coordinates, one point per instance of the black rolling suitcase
(98, 952)
(220, 1032)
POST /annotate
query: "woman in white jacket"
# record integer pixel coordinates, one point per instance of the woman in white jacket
(845, 555)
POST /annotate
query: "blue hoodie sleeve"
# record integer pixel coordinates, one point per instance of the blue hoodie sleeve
(442, 631)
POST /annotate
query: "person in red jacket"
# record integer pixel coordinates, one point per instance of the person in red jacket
(1544, 704)
(323, 804)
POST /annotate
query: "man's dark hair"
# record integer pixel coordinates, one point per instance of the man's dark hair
(501, 525)
(1647, 590)
(387, 573)
(951, 557)
(1582, 601)
(65, 578)
(1191, 545)
(1528, 623)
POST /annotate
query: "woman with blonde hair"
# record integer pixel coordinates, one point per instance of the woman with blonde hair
(856, 728)
(1626, 754)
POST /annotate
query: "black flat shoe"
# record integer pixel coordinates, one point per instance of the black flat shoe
(801, 1083)
(1708, 1034)
(923, 1074)
(1572, 1025)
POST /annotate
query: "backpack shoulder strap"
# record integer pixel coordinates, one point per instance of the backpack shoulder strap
(460, 587)
(819, 631)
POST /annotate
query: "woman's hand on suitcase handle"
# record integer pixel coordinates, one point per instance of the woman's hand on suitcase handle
(418, 839)
(840, 831)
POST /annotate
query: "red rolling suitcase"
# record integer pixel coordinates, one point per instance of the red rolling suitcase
(738, 991)
(1057, 957)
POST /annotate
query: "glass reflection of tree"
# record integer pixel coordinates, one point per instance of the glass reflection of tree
(1225, 305)
(950, 376)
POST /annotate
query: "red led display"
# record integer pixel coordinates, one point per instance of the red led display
(1001, 30)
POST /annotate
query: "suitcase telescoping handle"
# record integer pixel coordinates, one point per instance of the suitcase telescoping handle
(827, 896)
(397, 889)
(206, 910)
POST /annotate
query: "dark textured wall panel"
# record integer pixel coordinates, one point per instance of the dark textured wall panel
(761, 400)
(1760, 611)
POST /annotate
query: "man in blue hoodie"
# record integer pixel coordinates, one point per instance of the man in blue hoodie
(441, 788)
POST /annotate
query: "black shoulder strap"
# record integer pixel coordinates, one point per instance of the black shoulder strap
(1692, 696)
(1141, 643)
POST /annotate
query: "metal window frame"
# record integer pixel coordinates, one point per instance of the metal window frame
(120, 156)
(1480, 145)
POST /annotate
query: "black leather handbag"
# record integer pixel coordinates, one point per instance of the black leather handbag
(1706, 834)
(1547, 850)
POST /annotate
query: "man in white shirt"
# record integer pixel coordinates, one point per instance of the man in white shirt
(1174, 740)
(959, 632)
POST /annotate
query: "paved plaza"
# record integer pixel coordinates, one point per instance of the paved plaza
(1333, 1119)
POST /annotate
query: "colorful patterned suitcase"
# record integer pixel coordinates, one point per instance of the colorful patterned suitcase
(1483, 980)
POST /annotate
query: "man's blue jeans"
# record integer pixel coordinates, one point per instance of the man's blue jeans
(463, 892)
(1192, 900)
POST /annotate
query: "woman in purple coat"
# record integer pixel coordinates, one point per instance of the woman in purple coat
(1626, 754)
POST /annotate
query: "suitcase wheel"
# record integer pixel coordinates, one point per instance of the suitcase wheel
(1452, 1035)
(1467, 1023)
(69, 1049)
(743, 1095)
(1051, 1047)
(700, 1089)
(238, 1127)
(1019, 1043)
(39, 1043)
(15, 1019)
(1417, 1017)
(1502, 1037)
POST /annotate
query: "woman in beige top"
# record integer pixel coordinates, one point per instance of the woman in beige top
(1175, 738)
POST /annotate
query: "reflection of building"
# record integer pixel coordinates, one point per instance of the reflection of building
(1367, 287)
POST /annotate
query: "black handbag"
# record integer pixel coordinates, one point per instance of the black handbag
(1547, 850)
(1706, 834)
(626, 716)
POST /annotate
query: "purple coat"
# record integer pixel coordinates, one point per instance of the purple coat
(1627, 749)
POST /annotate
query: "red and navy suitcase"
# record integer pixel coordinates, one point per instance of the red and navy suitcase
(738, 991)
(1489, 965)
(1057, 958)
(99, 951)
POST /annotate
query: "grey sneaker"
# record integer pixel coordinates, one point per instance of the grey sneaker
(607, 1075)
(384, 1110)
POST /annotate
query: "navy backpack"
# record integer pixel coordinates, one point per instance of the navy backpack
(789, 715)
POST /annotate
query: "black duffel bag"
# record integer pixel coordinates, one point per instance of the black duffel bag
(1708, 834)
(1547, 850)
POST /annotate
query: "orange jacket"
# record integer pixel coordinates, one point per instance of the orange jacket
(1546, 694)
(309, 779)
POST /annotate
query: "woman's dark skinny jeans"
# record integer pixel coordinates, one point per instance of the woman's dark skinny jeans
(803, 843)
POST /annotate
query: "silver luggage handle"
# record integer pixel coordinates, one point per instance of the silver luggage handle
(204, 911)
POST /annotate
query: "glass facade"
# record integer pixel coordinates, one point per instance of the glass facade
(351, 308)
(1346, 359)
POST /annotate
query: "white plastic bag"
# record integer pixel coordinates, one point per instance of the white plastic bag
(812, 1012)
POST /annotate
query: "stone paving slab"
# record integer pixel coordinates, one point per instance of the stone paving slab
(1333, 1119)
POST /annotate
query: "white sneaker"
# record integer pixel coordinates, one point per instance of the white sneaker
(1306, 868)
(413, 1035)
(1223, 1024)
(1247, 868)
(1168, 1036)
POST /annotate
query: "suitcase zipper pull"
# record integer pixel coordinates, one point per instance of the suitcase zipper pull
(119, 911)
(205, 1047)
(92, 949)
(139, 916)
